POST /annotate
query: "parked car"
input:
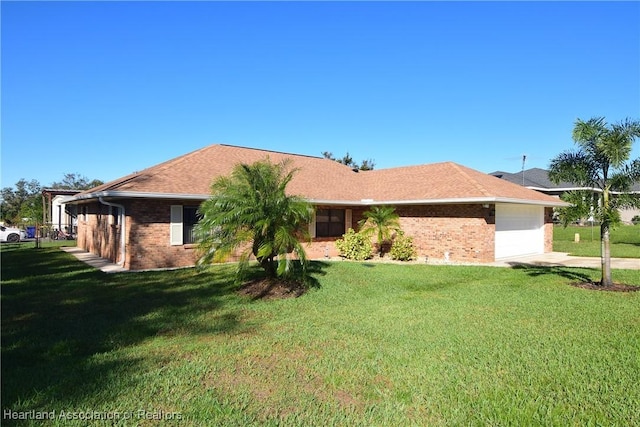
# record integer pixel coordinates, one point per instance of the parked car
(11, 234)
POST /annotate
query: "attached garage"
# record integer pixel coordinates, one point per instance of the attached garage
(519, 230)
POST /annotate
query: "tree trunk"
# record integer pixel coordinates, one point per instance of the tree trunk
(605, 254)
(266, 262)
(605, 251)
(269, 266)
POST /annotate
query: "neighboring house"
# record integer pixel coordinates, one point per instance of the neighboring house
(56, 215)
(538, 179)
(145, 220)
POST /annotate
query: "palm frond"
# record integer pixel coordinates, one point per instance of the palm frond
(574, 166)
(251, 209)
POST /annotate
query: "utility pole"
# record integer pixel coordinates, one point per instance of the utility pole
(524, 158)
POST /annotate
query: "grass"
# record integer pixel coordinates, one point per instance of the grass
(373, 344)
(624, 241)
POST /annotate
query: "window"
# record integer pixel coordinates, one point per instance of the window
(183, 218)
(330, 222)
(189, 219)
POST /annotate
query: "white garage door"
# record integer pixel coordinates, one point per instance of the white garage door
(519, 230)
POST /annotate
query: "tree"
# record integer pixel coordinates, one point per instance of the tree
(601, 162)
(347, 160)
(250, 212)
(75, 181)
(381, 220)
(22, 202)
(367, 165)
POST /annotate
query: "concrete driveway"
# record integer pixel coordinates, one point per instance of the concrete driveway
(561, 259)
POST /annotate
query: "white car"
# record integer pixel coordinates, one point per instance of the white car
(11, 234)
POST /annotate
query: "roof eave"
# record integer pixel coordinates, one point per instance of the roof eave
(362, 202)
(445, 201)
(136, 195)
(563, 189)
(567, 189)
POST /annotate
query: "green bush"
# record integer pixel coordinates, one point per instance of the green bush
(402, 248)
(635, 220)
(355, 246)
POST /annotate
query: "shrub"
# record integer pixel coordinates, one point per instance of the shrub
(355, 246)
(402, 248)
(635, 220)
(380, 221)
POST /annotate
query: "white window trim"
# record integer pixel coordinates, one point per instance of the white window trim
(348, 222)
(175, 226)
(312, 225)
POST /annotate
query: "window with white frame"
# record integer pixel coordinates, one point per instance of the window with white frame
(183, 220)
(332, 222)
(189, 220)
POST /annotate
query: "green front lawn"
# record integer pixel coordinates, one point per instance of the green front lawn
(372, 344)
(624, 241)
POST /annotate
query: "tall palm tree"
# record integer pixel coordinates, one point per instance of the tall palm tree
(250, 212)
(601, 162)
(381, 220)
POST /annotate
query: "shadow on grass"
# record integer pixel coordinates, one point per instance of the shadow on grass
(64, 323)
(316, 268)
(571, 273)
(629, 243)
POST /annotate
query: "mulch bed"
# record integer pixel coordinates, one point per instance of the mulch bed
(616, 287)
(272, 289)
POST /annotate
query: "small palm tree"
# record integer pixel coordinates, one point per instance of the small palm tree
(381, 220)
(249, 212)
(601, 163)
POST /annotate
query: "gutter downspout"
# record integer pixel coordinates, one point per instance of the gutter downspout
(123, 219)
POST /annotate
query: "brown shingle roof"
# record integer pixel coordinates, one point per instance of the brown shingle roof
(194, 172)
(442, 181)
(320, 179)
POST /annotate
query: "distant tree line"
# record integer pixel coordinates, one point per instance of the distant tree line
(365, 165)
(24, 199)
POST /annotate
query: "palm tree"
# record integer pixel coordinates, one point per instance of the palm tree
(602, 163)
(381, 220)
(249, 212)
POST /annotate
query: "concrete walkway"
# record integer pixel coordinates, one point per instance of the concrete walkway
(552, 259)
(93, 260)
(561, 259)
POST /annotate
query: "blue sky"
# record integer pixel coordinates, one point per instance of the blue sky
(104, 89)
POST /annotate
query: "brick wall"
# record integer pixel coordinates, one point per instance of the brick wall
(321, 247)
(461, 232)
(149, 237)
(98, 232)
(465, 232)
(548, 229)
